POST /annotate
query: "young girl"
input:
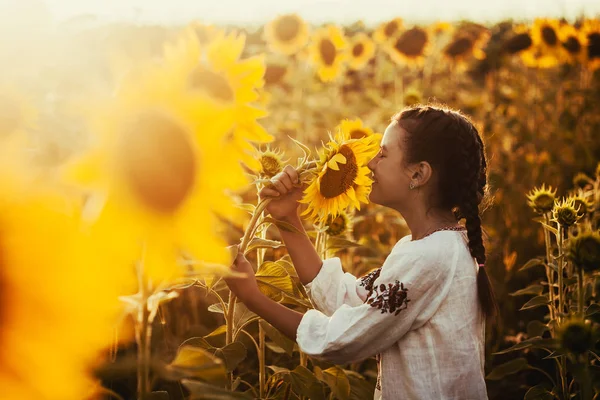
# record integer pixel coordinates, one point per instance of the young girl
(423, 312)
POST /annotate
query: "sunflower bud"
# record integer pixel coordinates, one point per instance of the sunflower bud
(270, 163)
(542, 199)
(582, 204)
(584, 250)
(337, 225)
(565, 212)
(581, 180)
(576, 336)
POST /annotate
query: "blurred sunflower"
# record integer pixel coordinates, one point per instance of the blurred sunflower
(362, 50)
(544, 34)
(328, 52)
(342, 178)
(204, 33)
(338, 225)
(440, 28)
(275, 73)
(573, 42)
(591, 30)
(410, 47)
(58, 304)
(215, 73)
(519, 41)
(464, 46)
(354, 129)
(151, 171)
(17, 114)
(388, 30)
(286, 34)
(271, 162)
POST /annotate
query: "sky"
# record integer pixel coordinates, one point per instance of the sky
(340, 11)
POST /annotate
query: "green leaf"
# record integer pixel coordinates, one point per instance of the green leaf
(592, 309)
(536, 302)
(534, 262)
(282, 341)
(536, 328)
(219, 331)
(555, 354)
(260, 243)
(508, 368)
(273, 280)
(305, 383)
(205, 391)
(360, 388)
(337, 380)
(531, 289)
(340, 243)
(539, 392)
(285, 226)
(195, 362)
(232, 354)
(522, 345)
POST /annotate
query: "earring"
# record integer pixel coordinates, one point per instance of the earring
(411, 186)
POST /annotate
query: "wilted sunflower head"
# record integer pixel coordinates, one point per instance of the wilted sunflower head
(337, 225)
(542, 199)
(583, 204)
(271, 162)
(584, 250)
(581, 180)
(565, 212)
(576, 336)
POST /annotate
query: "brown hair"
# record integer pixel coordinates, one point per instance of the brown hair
(451, 144)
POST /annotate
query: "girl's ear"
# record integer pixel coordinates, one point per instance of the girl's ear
(421, 173)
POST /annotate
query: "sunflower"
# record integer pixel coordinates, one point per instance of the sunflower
(204, 33)
(591, 30)
(573, 42)
(271, 162)
(58, 304)
(338, 225)
(409, 47)
(154, 187)
(328, 53)
(464, 46)
(286, 34)
(342, 178)
(519, 41)
(215, 73)
(354, 129)
(544, 34)
(388, 30)
(542, 199)
(440, 28)
(362, 50)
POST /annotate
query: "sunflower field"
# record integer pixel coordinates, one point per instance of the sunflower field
(132, 155)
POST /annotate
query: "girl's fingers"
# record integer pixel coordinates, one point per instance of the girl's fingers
(268, 192)
(279, 186)
(292, 173)
(285, 179)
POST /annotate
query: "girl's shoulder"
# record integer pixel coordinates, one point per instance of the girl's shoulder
(437, 246)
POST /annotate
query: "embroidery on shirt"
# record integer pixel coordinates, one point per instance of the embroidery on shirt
(368, 280)
(392, 299)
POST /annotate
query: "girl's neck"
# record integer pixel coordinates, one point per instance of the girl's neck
(421, 224)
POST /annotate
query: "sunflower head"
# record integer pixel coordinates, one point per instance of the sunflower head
(545, 34)
(328, 52)
(275, 73)
(362, 50)
(581, 180)
(518, 42)
(354, 129)
(565, 212)
(573, 43)
(591, 31)
(286, 34)
(337, 225)
(582, 204)
(542, 199)
(576, 336)
(410, 46)
(388, 30)
(271, 163)
(584, 250)
(412, 97)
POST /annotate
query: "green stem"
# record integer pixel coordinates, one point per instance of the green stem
(549, 270)
(561, 264)
(580, 276)
(143, 336)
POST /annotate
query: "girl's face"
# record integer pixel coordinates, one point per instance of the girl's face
(391, 175)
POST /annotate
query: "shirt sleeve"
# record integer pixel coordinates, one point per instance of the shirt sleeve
(404, 295)
(332, 288)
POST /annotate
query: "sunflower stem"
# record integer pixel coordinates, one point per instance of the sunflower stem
(580, 276)
(143, 335)
(549, 270)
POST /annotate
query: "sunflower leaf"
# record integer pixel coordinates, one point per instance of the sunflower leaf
(260, 243)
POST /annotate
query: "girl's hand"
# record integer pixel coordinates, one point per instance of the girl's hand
(286, 190)
(246, 287)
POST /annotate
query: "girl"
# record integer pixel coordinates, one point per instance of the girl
(423, 312)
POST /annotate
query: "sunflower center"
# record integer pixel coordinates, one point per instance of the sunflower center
(270, 164)
(358, 49)
(459, 47)
(10, 116)
(212, 83)
(334, 183)
(412, 42)
(336, 226)
(549, 35)
(357, 134)
(287, 29)
(274, 73)
(390, 28)
(594, 45)
(572, 45)
(157, 160)
(327, 51)
(518, 43)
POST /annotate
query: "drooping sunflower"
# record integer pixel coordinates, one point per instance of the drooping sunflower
(574, 43)
(58, 304)
(591, 30)
(362, 50)
(328, 52)
(410, 47)
(519, 41)
(286, 34)
(214, 72)
(342, 178)
(544, 34)
(151, 178)
(354, 129)
(388, 30)
(464, 46)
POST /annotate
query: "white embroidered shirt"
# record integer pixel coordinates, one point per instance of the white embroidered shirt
(419, 313)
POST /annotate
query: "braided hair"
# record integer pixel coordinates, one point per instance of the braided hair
(451, 144)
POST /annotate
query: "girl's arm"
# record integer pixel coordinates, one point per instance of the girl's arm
(302, 252)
